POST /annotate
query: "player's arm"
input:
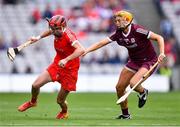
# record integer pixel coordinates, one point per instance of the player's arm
(97, 45)
(160, 40)
(43, 35)
(12, 52)
(79, 50)
(33, 40)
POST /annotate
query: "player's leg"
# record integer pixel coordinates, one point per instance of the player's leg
(61, 100)
(39, 82)
(123, 82)
(142, 91)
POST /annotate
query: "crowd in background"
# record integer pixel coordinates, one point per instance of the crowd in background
(95, 16)
(172, 46)
(90, 16)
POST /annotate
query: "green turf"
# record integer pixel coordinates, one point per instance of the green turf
(90, 109)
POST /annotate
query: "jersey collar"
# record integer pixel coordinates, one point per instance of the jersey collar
(129, 30)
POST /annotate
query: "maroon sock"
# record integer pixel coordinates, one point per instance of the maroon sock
(33, 99)
(125, 111)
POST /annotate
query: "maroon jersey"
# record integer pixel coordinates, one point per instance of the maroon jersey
(137, 42)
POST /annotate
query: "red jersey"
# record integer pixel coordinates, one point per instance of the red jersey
(64, 47)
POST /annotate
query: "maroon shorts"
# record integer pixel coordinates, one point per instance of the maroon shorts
(135, 65)
(66, 77)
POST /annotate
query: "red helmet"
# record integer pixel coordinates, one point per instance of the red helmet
(57, 24)
(57, 21)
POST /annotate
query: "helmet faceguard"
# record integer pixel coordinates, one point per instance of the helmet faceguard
(122, 19)
(57, 25)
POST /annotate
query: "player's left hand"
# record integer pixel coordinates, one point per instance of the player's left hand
(84, 53)
(34, 39)
(161, 57)
(62, 63)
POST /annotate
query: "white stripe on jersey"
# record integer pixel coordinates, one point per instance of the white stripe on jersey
(149, 34)
(71, 36)
(74, 42)
(109, 39)
(142, 31)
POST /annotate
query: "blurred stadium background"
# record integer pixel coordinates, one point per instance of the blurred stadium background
(99, 71)
(91, 21)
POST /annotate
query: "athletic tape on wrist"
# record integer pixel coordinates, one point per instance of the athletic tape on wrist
(38, 37)
(16, 50)
(162, 54)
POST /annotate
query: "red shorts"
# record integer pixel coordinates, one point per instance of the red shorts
(134, 65)
(66, 77)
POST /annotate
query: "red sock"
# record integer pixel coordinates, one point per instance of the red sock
(33, 99)
(125, 111)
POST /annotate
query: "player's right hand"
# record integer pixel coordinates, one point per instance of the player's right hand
(161, 57)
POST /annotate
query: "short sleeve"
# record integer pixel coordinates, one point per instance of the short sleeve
(112, 37)
(143, 32)
(71, 37)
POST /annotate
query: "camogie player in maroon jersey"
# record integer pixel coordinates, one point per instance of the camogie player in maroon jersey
(64, 68)
(141, 52)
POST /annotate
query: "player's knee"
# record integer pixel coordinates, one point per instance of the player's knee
(60, 101)
(35, 86)
(119, 88)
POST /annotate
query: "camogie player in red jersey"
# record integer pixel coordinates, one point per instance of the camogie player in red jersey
(64, 68)
(141, 55)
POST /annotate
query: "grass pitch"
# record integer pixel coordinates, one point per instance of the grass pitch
(90, 109)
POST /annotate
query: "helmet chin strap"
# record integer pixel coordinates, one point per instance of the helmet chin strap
(123, 28)
(58, 34)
